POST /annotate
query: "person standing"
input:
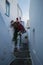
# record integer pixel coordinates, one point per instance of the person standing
(15, 28)
(18, 27)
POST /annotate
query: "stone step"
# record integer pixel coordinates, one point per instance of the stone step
(22, 54)
(21, 62)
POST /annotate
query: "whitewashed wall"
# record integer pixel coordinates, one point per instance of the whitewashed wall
(6, 44)
(19, 11)
(14, 11)
(36, 31)
(13, 8)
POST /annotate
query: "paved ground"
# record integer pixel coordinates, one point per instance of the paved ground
(22, 56)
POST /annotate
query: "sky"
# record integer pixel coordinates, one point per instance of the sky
(24, 5)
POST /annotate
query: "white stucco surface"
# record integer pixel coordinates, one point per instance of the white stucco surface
(36, 31)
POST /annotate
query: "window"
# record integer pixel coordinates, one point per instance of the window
(7, 8)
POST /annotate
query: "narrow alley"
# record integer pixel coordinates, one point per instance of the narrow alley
(21, 32)
(22, 56)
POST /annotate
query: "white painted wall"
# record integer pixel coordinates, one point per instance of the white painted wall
(19, 14)
(28, 24)
(13, 8)
(36, 31)
(6, 44)
(15, 11)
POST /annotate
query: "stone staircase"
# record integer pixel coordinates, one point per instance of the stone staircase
(22, 56)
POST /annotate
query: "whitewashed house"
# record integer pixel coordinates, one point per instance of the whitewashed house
(28, 24)
(36, 31)
(8, 12)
